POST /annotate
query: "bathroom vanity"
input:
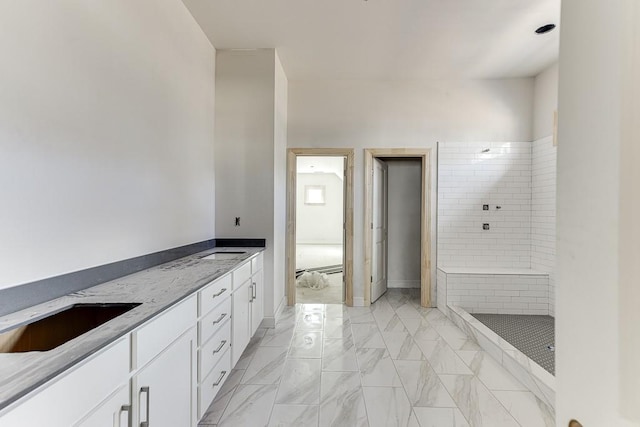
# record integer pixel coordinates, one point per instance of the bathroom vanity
(159, 359)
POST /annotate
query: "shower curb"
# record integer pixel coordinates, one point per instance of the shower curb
(540, 382)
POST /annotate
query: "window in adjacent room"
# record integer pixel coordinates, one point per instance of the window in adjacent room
(314, 194)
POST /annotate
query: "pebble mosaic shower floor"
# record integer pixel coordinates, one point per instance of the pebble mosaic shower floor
(532, 335)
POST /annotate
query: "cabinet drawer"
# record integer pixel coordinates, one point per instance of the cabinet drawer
(163, 329)
(214, 293)
(212, 322)
(241, 275)
(208, 388)
(256, 264)
(211, 352)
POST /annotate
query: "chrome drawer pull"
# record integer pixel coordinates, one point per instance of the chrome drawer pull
(220, 346)
(254, 296)
(222, 316)
(147, 391)
(222, 374)
(222, 291)
(127, 409)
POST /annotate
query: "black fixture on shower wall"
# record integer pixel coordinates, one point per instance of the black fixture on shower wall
(545, 28)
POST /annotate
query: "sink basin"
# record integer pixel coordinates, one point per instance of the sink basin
(60, 327)
(223, 255)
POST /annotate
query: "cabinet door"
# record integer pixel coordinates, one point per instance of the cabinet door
(74, 394)
(257, 302)
(240, 320)
(115, 412)
(164, 389)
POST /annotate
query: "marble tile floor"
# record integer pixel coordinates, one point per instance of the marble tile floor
(391, 364)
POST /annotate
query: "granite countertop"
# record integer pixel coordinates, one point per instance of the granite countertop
(156, 289)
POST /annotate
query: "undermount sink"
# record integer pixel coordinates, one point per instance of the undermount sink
(62, 326)
(223, 255)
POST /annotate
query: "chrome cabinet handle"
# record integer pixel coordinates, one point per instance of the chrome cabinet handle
(220, 346)
(254, 296)
(219, 319)
(222, 291)
(222, 374)
(251, 293)
(127, 409)
(146, 390)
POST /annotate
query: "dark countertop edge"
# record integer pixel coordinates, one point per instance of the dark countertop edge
(46, 378)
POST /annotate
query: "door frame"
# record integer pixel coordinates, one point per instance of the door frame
(425, 217)
(292, 155)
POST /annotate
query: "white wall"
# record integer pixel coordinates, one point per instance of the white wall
(404, 181)
(543, 211)
(251, 90)
(597, 337)
(281, 96)
(381, 114)
(468, 179)
(543, 157)
(320, 224)
(629, 317)
(545, 101)
(106, 134)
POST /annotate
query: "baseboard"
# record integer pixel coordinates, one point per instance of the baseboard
(358, 301)
(268, 322)
(403, 284)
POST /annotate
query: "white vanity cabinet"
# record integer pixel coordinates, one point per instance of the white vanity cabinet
(214, 339)
(164, 383)
(241, 327)
(78, 393)
(165, 373)
(248, 304)
(111, 413)
(257, 298)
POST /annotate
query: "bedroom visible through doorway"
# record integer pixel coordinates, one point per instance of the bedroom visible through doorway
(320, 229)
(320, 226)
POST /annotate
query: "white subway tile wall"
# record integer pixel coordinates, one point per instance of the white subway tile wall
(469, 177)
(520, 178)
(499, 294)
(543, 212)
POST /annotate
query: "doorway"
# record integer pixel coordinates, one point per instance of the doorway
(320, 226)
(397, 222)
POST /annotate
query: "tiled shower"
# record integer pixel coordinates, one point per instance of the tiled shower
(496, 226)
(496, 251)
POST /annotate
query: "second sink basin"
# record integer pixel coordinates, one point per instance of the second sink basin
(223, 255)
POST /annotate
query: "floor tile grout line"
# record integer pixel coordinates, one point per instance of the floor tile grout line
(437, 375)
(492, 391)
(359, 372)
(430, 366)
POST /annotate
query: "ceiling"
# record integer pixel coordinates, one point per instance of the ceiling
(389, 39)
(321, 164)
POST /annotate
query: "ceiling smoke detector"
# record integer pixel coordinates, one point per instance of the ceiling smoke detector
(545, 29)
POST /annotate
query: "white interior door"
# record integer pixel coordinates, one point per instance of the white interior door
(344, 229)
(379, 231)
